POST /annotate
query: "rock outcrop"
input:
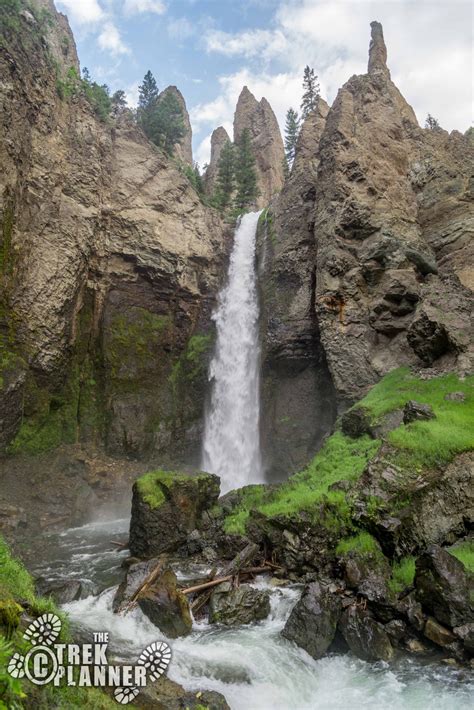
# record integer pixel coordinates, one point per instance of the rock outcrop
(218, 140)
(183, 150)
(267, 143)
(110, 265)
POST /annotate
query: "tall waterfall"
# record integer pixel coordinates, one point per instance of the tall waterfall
(231, 447)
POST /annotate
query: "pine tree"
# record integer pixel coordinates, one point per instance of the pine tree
(245, 173)
(147, 102)
(167, 122)
(310, 91)
(225, 183)
(292, 128)
(119, 100)
(431, 122)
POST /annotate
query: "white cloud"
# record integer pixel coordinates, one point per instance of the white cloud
(135, 7)
(264, 44)
(82, 11)
(180, 28)
(110, 40)
(131, 93)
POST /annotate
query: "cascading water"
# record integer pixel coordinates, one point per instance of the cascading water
(231, 446)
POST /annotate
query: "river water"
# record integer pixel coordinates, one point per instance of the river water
(252, 666)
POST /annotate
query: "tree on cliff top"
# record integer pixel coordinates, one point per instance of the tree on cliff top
(245, 173)
(310, 91)
(159, 115)
(431, 122)
(225, 183)
(292, 128)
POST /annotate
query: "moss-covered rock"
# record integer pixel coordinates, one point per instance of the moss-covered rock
(166, 507)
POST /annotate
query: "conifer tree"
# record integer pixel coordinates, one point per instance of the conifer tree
(147, 102)
(245, 173)
(310, 91)
(225, 183)
(431, 122)
(159, 115)
(292, 128)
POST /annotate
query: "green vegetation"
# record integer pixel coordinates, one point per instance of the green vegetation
(195, 178)
(97, 95)
(464, 552)
(403, 574)
(192, 363)
(160, 115)
(249, 497)
(310, 92)
(245, 173)
(292, 129)
(340, 459)
(152, 485)
(225, 183)
(361, 544)
(424, 444)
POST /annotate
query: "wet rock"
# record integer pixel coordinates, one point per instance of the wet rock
(444, 587)
(165, 694)
(416, 411)
(313, 621)
(368, 573)
(466, 634)
(12, 517)
(168, 509)
(166, 606)
(239, 605)
(64, 591)
(437, 633)
(136, 574)
(413, 611)
(396, 629)
(366, 638)
(416, 646)
(356, 422)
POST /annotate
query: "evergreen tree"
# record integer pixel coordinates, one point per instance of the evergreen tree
(292, 128)
(147, 102)
(225, 183)
(167, 123)
(431, 122)
(245, 173)
(310, 91)
(118, 99)
(86, 75)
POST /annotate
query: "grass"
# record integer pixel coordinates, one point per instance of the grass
(425, 444)
(340, 459)
(151, 485)
(361, 544)
(403, 574)
(464, 552)
(250, 497)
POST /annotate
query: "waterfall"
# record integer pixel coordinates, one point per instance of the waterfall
(231, 446)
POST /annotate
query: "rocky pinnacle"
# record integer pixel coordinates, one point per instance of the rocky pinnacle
(377, 51)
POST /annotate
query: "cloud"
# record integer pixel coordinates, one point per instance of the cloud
(136, 7)
(84, 11)
(265, 44)
(180, 28)
(131, 93)
(110, 40)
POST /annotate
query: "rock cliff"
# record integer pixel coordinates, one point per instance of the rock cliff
(218, 140)
(184, 149)
(110, 264)
(267, 143)
(377, 257)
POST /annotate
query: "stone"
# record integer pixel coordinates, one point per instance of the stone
(466, 634)
(444, 587)
(136, 573)
(176, 507)
(266, 140)
(236, 606)
(183, 150)
(416, 411)
(219, 138)
(377, 51)
(396, 629)
(165, 694)
(166, 606)
(366, 638)
(64, 591)
(313, 621)
(415, 646)
(412, 609)
(356, 422)
(437, 633)
(455, 397)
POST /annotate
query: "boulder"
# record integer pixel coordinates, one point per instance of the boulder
(64, 591)
(166, 606)
(444, 587)
(437, 633)
(466, 634)
(166, 507)
(313, 622)
(416, 411)
(165, 694)
(237, 606)
(135, 576)
(366, 638)
(356, 422)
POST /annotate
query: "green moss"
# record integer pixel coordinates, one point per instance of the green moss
(249, 497)
(464, 552)
(15, 581)
(403, 575)
(362, 544)
(192, 364)
(152, 486)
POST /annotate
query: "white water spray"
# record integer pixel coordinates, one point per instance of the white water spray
(231, 445)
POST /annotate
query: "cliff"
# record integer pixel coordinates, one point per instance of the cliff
(386, 277)
(219, 138)
(184, 148)
(110, 265)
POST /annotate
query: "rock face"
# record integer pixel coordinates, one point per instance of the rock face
(313, 622)
(218, 140)
(295, 376)
(167, 607)
(267, 143)
(236, 606)
(369, 256)
(110, 267)
(365, 637)
(166, 507)
(184, 149)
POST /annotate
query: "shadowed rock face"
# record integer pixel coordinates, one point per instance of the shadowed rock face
(267, 143)
(218, 140)
(113, 264)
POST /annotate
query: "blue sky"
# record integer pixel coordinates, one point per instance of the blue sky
(211, 48)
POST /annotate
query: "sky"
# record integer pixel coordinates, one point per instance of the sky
(210, 49)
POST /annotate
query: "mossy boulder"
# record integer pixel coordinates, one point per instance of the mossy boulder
(166, 606)
(236, 606)
(166, 507)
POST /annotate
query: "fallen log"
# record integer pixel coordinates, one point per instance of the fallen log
(220, 580)
(121, 545)
(147, 582)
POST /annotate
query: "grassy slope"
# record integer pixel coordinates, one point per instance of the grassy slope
(416, 446)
